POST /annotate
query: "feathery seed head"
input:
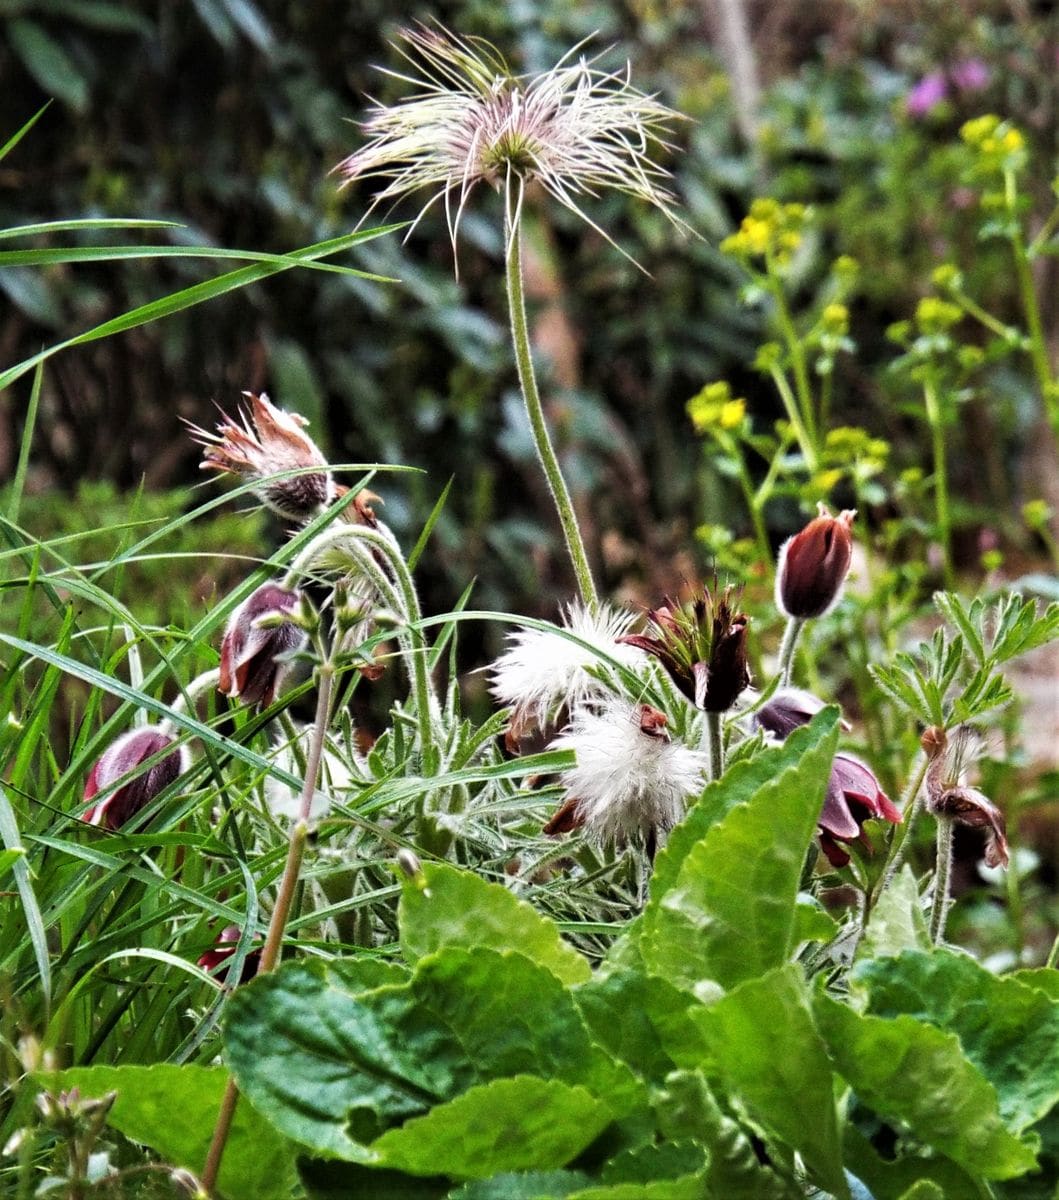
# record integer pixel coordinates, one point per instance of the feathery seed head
(544, 671)
(630, 780)
(576, 129)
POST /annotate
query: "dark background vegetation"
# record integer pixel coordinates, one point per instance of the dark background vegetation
(227, 115)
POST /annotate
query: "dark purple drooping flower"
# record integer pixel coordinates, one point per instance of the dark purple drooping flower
(118, 760)
(223, 949)
(853, 797)
(256, 636)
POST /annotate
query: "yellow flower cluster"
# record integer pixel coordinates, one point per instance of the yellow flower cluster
(770, 230)
(835, 319)
(936, 316)
(716, 408)
(998, 145)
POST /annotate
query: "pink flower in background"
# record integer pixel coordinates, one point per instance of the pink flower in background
(119, 759)
(927, 94)
(967, 75)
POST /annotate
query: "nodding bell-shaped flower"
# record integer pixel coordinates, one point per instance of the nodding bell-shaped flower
(120, 759)
(813, 565)
(853, 797)
(223, 949)
(786, 710)
(265, 442)
(948, 798)
(702, 647)
(258, 633)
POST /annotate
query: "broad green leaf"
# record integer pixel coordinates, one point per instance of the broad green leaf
(768, 1053)
(916, 1074)
(812, 922)
(729, 914)
(173, 1109)
(1044, 979)
(1008, 1030)
(735, 787)
(642, 1020)
(505, 1125)
(924, 1190)
(644, 1164)
(331, 1066)
(512, 1016)
(687, 1187)
(686, 1108)
(528, 1185)
(896, 922)
(889, 1179)
(449, 907)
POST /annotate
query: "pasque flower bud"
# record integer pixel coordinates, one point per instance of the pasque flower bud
(257, 634)
(118, 760)
(702, 648)
(813, 565)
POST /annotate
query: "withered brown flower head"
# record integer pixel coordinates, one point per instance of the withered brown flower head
(265, 442)
(702, 647)
(813, 565)
(948, 796)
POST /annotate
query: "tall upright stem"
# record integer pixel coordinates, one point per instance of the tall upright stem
(281, 911)
(939, 909)
(531, 396)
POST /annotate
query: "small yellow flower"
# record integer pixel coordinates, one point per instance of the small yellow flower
(835, 319)
(714, 407)
(936, 316)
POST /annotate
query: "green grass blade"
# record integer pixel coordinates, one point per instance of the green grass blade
(27, 440)
(34, 922)
(198, 293)
(52, 255)
(14, 140)
(16, 231)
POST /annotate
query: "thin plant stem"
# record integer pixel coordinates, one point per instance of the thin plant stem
(1053, 955)
(941, 484)
(534, 410)
(399, 592)
(790, 405)
(939, 908)
(715, 744)
(797, 353)
(731, 447)
(281, 911)
(1028, 295)
(787, 648)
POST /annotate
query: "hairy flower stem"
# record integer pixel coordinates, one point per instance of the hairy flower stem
(715, 744)
(281, 911)
(189, 693)
(939, 908)
(787, 648)
(398, 591)
(534, 410)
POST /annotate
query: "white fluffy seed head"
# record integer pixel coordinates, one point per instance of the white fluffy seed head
(544, 670)
(627, 783)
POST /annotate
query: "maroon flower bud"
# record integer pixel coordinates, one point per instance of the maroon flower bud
(702, 647)
(813, 565)
(223, 949)
(787, 709)
(853, 797)
(117, 761)
(256, 636)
